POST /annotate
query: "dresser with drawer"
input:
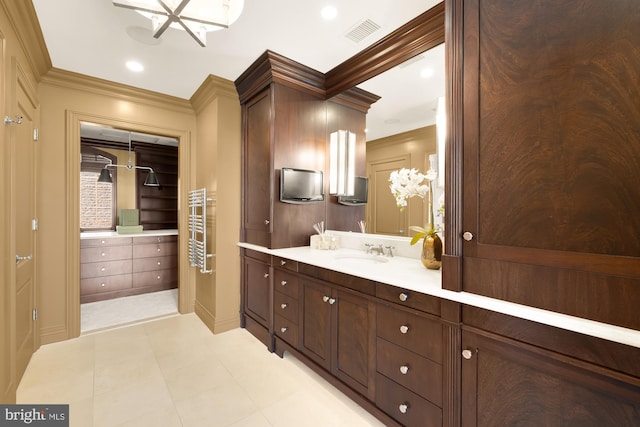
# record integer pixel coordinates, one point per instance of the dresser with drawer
(113, 267)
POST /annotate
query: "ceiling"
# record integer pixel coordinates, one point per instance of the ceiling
(95, 38)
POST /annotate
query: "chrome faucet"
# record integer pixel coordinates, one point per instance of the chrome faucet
(379, 249)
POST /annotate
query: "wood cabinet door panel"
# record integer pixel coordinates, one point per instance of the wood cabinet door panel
(95, 285)
(417, 373)
(316, 322)
(406, 407)
(256, 285)
(157, 263)
(547, 197)
(411, 331)
(285, 306)
(354, 361)
(107, 268)
(155, 278)
(508, 383)
(106, 253)
(154, 250)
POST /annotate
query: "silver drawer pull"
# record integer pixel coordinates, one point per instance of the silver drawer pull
(266, 275)
(102, 242)
(158, 277)
(283, 305)
(282, 262)
(468, 236)
(332, 300)
(158, 249)
(325, 298)
(102, 284)
(266, 222)
(404, 369)
(102, 269)
(102, 254)
(283, 330)
(404, 329)
(283, 282)
(467, 354)
(158, 262)
(403, 297)
(403, 408)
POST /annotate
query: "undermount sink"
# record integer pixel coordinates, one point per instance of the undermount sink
(361, 258)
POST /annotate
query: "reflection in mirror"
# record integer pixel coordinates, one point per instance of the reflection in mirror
(401, 133)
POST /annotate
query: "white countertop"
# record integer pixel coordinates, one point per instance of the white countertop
(409, 273)
(144, 233)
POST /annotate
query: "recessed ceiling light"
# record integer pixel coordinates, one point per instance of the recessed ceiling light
(134, 66)
(426, 73)
(329, 12)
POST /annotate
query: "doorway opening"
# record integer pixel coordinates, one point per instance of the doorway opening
(128, 228)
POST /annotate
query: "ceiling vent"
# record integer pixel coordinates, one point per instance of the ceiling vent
(362, 31)
(411, 61)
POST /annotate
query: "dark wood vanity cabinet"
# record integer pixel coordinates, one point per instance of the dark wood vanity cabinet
(506, 382)
(255, 308)
(338, 333)
(114, 267)
(548, 196)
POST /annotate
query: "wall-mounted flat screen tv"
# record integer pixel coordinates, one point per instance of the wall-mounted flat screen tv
(361, 192)
(301, 185)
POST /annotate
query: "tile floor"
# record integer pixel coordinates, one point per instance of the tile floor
(95, 316)
(174, 372)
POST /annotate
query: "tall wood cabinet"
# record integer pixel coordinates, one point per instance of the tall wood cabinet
(547, 145)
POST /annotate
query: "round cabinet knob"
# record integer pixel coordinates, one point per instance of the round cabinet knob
(102, 254)
(468, 236)
(158, 277)
(404, 369)
(332, 300)
(404, 329)
(467, 354)
(283, 282)
(325, 298)
(102, 269)
(283, 330)
(403, 408)
(158, 249)
(403, 297)
(102, 242)
(159, 239)
(282, 262)
(102, 284)
(266, 222)
(266, 275)
(283, 306)
(158, 262)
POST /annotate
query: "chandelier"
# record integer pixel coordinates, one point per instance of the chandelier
(196, 17)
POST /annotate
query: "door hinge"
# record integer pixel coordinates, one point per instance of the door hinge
(35, 314)
(34, 224)
(36, 134)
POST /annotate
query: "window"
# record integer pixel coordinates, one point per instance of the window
(97, 199)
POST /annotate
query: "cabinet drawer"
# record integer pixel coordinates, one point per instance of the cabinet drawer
(407, 298)
(96, 285)
(406, 407)
(106, 241)
(286, 329)
(417, 373)
(154, 239)
(286, 283)
(411, 331)
(285, 263)
(152, 278)
(154, 250)
(107, 268)
(155, 263)
(105, 253)
(285, 306)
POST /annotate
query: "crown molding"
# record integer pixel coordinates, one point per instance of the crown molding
(211, 88)
(23, 18)
(84, 83)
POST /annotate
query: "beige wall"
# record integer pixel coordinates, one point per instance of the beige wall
(416, 145)
(218, 169)
(66, 99)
